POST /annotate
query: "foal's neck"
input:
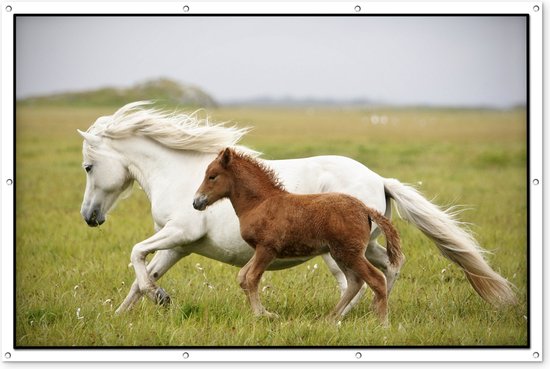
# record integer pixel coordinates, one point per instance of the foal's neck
(251, 187)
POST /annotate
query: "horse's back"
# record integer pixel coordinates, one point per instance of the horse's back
(331, 173)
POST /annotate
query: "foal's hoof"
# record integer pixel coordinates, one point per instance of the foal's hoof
(162, 298)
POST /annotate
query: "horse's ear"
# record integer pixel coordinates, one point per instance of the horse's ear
(226, 158)
(90, 138)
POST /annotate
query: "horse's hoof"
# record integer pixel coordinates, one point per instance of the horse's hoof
(268, 315)
(334, 319)
(161, 297)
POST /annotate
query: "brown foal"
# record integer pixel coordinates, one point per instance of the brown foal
(279, 224)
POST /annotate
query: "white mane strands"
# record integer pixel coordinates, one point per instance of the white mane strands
(177, 130)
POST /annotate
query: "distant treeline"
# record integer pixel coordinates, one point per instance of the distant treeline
(167, 92)
(163, 90)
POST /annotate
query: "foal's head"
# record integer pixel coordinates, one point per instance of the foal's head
(231, 169)
(217, 181)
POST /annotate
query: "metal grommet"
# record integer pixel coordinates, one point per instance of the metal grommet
(186, 8)
(186, 355)
(358, 355)
(357, 8)
(8, 8)
(536, 8)
(536, 355)
(536, 181)
(9, 181)
(7, 355)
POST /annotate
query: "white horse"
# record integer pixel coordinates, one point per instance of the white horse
(167, 155)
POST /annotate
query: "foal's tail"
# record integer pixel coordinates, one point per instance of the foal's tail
(393, 243)
(452, 240)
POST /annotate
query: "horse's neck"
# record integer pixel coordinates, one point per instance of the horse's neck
(249, 191)
(157, 168)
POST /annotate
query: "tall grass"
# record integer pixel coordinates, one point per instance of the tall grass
(70, 278)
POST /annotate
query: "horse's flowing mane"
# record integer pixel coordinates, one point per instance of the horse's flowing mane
(250, 163)
(174, 130)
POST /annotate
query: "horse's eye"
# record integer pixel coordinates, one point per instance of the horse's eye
(212, 177)
(87, 168)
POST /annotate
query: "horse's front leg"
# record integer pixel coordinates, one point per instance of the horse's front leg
(162, 261)
(167, 238)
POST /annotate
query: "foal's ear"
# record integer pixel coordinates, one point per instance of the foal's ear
(226, 157)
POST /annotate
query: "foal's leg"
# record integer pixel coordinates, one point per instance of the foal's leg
(250, 276)
(354, 285)
(161, 262)
(336, 272)
(377, 255)
(376, 281)
(241, 277)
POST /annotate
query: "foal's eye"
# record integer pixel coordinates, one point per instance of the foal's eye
(211, 178)
(87, 168)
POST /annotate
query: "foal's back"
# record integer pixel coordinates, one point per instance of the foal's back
(303, 225)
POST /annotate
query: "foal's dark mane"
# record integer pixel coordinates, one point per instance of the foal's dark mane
(257, 169)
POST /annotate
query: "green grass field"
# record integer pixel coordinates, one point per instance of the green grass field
(70, 277)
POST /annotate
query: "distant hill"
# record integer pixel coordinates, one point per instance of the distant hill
(165, 91)
(301, 102)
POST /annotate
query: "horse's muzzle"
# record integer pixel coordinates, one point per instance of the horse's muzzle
(93, 218)
(200, 202)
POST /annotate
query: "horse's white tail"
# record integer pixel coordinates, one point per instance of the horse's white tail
(454, 242)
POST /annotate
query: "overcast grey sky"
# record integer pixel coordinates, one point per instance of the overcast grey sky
(396, 60)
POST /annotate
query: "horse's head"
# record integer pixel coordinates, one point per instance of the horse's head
(107, 177)
(217, 181)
